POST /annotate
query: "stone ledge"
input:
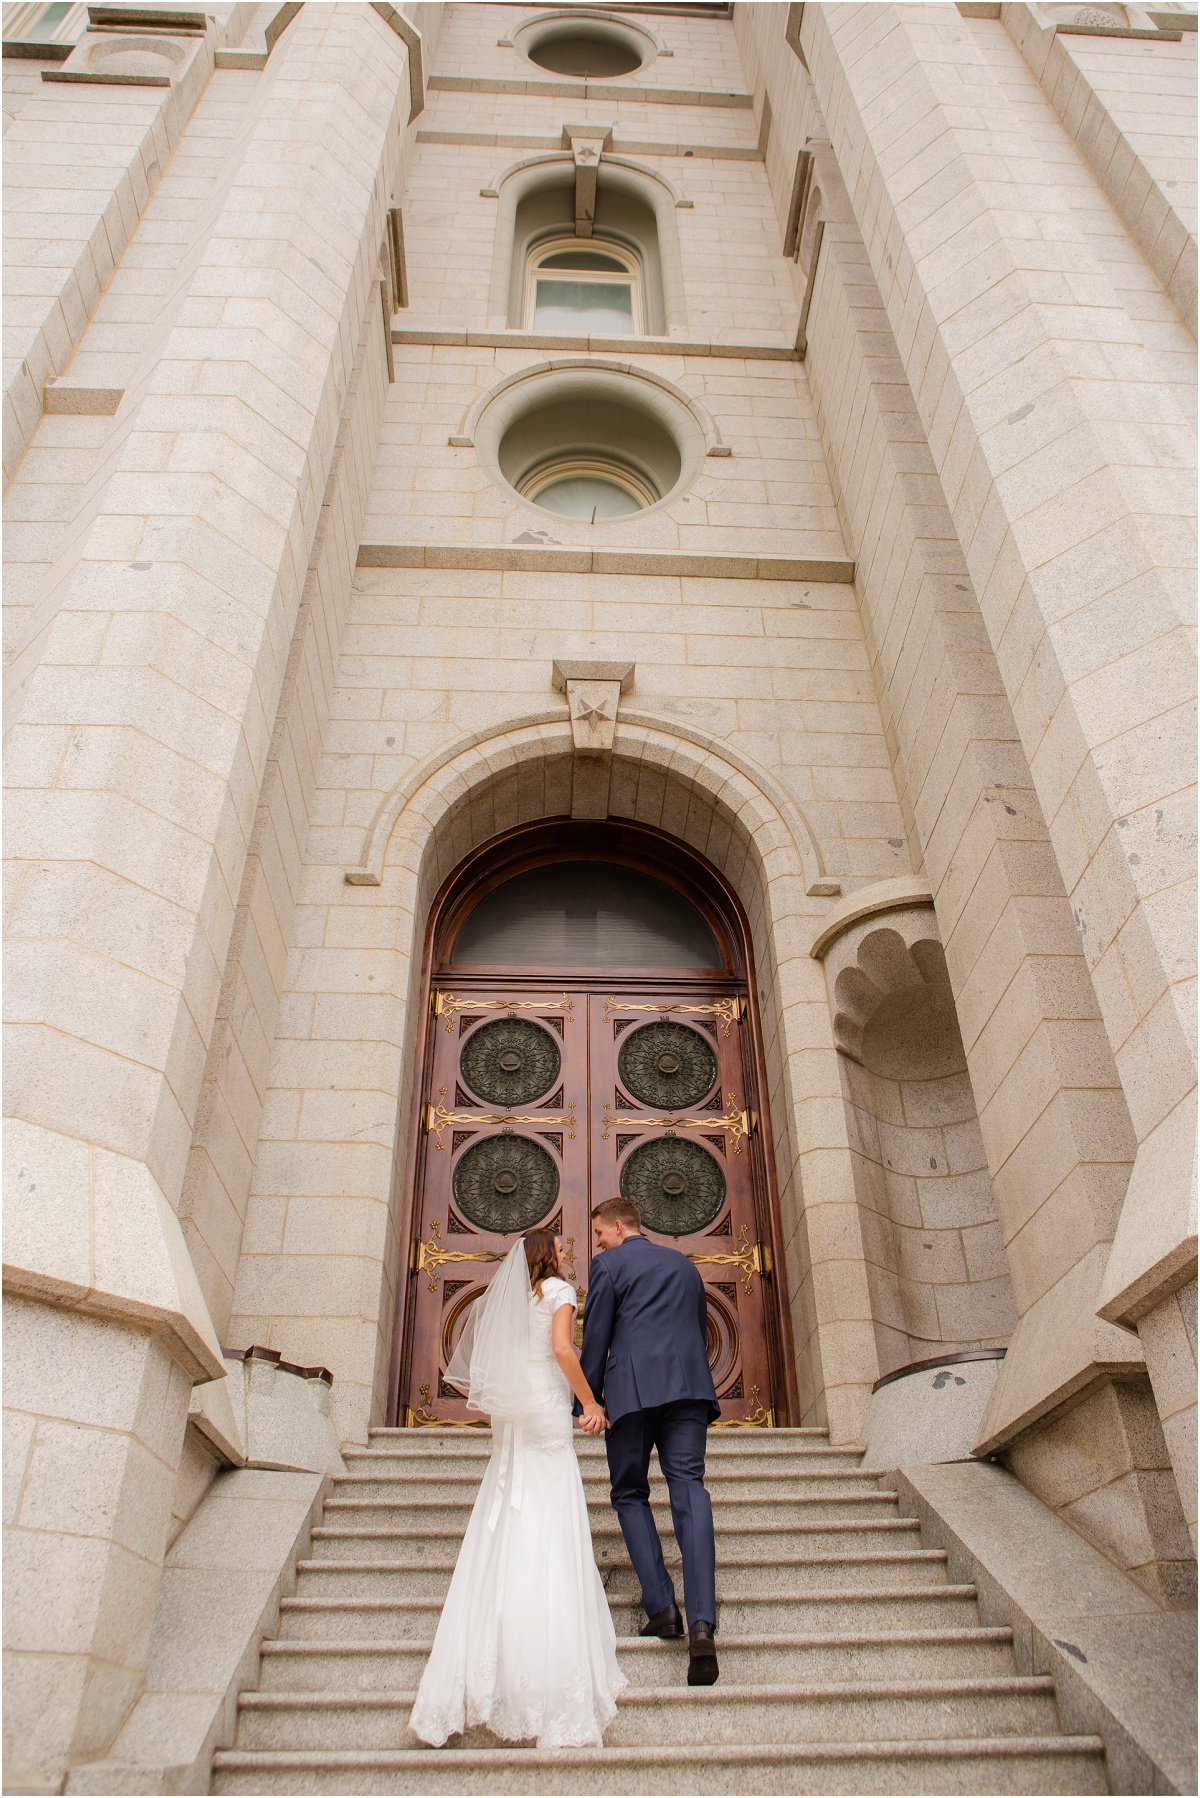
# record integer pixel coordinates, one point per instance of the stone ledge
(60, 396)
(1123, 1669)
(1121, 31)
(590, 90)
(91, 1230)
(1154, 1250)
(222, 1582)
(35, 51)
(525, 558)
(636, 346)
(626, 146)
(85, 78)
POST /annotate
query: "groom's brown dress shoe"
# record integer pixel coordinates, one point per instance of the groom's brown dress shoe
(702, 1655)
(667, 1624)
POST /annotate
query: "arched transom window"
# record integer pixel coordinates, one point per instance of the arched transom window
(584, 287)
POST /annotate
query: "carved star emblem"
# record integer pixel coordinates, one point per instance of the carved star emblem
(591, 714)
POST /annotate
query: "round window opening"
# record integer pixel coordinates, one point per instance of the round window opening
(590, 457)
(586, 54)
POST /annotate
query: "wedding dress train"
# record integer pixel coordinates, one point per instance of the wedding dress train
(525, 1644)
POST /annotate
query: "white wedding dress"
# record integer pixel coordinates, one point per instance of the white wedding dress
(525, 1644)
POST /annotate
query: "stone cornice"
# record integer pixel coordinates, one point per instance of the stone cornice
(589, 90)
(563, 559)
(630, 346)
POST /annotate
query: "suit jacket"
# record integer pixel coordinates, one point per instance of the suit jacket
(645, 1330)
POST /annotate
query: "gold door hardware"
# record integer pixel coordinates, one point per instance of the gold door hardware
(730, 1011)
(752, 1258)
(448, 1006)
(762, 1417)
(425, 1418)
(429, 1257)
(438, 1118)
(737, 1123)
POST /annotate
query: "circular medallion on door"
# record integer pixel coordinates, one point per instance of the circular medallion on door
(510, 1061)
(505, 1184)
(677, 1186)
(667, 1064)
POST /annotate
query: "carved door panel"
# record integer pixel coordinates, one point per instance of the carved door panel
(673, 1128)
(503, 1149)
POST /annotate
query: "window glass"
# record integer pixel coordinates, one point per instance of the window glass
(603, 308)
(587, 496)
(588, 487)
(583, 259)
(583, 289)
(586, 914)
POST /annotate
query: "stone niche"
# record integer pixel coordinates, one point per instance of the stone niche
(936, 1265)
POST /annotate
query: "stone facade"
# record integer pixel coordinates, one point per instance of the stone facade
(911, 668)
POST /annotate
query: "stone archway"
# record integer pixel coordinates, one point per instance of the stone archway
(619, 175)
(681, 783)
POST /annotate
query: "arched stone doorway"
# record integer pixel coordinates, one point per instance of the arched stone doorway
(591, 1026)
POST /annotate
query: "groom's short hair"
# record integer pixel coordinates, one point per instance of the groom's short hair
(619, 1211)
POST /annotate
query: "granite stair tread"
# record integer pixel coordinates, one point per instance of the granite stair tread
(850, 1661)
(1005, 1764)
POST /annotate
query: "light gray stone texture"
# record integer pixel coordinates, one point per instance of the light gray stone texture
(220, 1593)
(933, 1414)
(283, 1418)
(1122, 1667)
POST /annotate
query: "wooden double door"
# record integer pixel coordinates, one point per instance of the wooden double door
(539, 1101)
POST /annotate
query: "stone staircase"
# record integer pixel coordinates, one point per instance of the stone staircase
(849, 1663)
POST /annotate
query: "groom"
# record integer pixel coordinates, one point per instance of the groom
(645, 1334)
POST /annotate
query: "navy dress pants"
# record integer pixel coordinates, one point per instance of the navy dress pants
(679, 1433)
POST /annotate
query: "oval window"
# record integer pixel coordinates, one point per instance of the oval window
(585, 914)
(585, 56)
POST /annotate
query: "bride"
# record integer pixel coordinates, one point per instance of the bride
(525, 1643)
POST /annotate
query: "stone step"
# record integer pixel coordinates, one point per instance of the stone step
(728, 1511)
(423, 1568)
(764, 1540)
(381, 1665)
(402, 1463)
(1010, 1765)
(433, 1483)
(884, 1565)
(770, 1541)
(678, 1716)
(771, 1613)
(721, 1440)
(334, 1596)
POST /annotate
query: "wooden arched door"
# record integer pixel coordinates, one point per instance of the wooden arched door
(590, 1028)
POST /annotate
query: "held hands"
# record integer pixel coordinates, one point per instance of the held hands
(593, 1422)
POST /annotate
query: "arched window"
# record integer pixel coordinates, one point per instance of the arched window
(585, 914)
(588, 487)
(583, 287)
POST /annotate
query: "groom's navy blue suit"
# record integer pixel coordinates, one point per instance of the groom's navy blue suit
(645, 1356)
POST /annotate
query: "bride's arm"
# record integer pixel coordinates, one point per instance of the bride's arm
(594, 1420)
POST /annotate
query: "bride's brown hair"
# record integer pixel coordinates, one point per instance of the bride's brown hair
(543, 1262)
